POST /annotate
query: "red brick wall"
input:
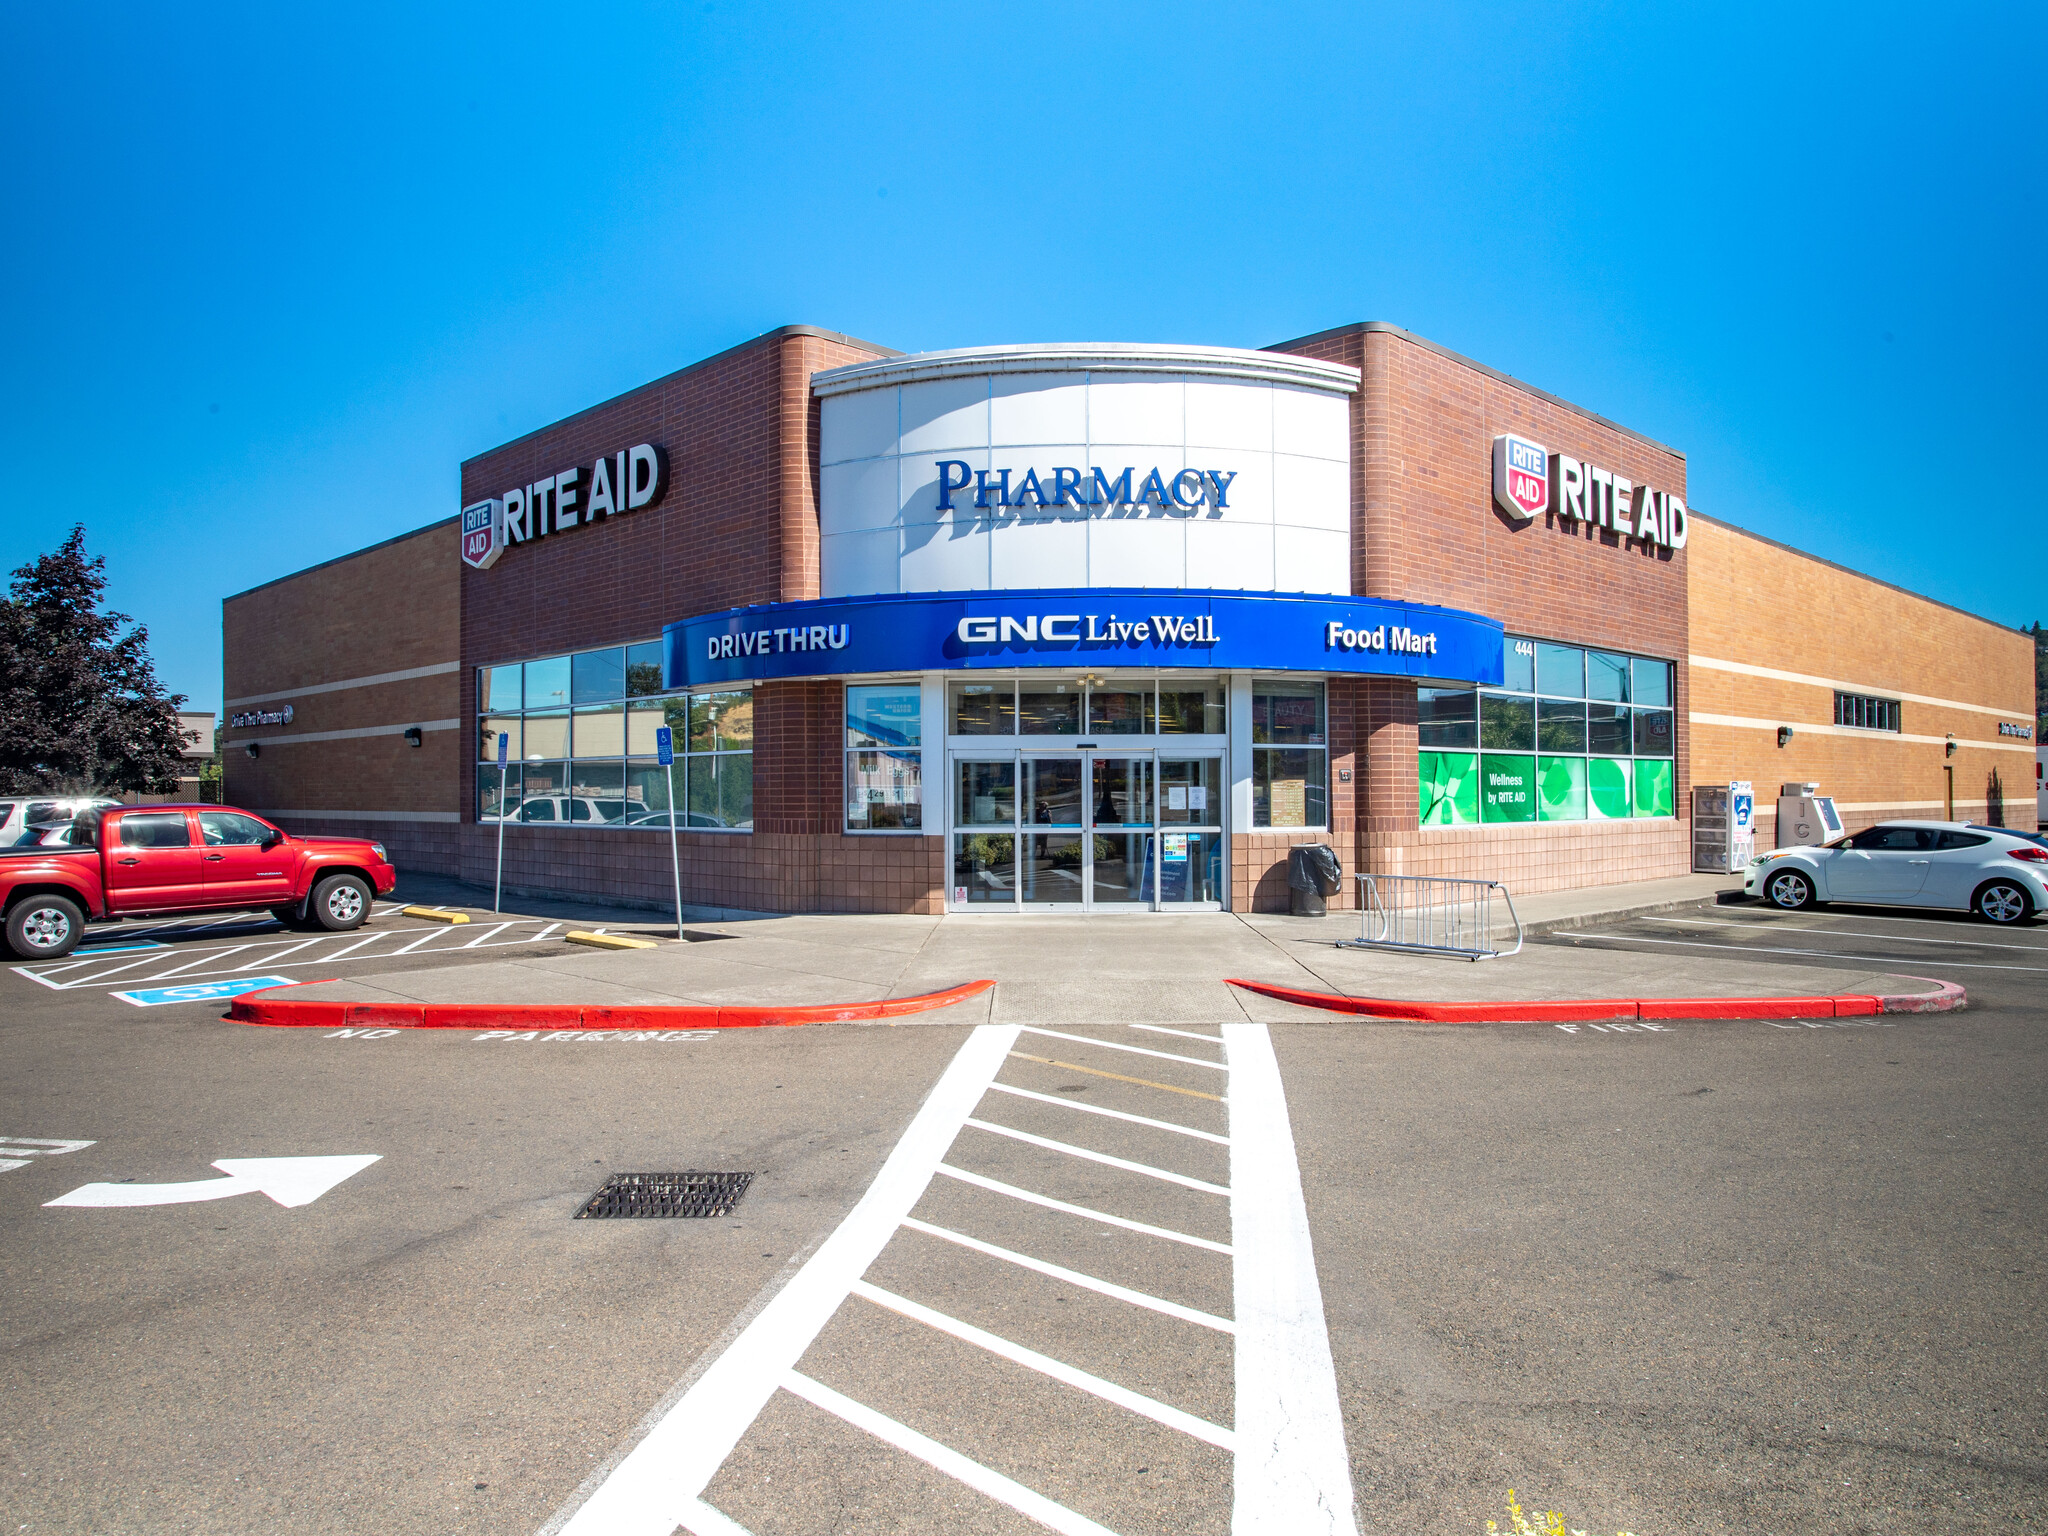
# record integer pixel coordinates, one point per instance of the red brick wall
(1425, 530)
(739, 525)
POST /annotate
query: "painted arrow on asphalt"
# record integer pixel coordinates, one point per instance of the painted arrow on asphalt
(290, 1181)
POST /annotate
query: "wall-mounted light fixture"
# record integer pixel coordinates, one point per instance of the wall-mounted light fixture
(1784, 734)
(412, 735)
(1949, 747)
(253, 750)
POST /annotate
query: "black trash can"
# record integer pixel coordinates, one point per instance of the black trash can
(1313, 874)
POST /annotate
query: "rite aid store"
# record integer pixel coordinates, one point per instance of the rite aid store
(1077, 627)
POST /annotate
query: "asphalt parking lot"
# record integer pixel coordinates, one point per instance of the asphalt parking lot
(1734, 1275)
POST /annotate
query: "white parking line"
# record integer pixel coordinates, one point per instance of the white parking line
(1185, 1034)
(1104, 1158)
(1113, 1114)
(998, 1187)
(209, 955)
(1075, 1277)
(1825, 954)
(1292, 1472)
(1115, 1045)
(1846, 933)
(1004, 1490)
(486, 934)
(1045, 1365)
(1294, 1477)
(648, 1492)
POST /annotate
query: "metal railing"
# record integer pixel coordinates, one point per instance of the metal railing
(1431, 915)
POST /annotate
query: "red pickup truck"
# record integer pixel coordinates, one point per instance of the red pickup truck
(126, 861)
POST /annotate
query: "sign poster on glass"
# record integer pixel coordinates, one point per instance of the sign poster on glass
(1175, 847)
(1176, 797)
(1508, 788)
(1198, 797)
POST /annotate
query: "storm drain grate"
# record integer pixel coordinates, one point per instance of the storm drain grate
(667, 1194)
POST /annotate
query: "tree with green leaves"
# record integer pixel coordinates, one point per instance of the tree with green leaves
(81, 710)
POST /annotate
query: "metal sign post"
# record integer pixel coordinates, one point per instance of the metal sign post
(665, 751)
(498, 889)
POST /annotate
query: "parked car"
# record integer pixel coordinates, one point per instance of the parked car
(2000, 875)
(128, 861)
(684, 822)
(551, 809)
(20, 816)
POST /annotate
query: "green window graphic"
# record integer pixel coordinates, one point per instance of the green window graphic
(1561, 786)
(1449, 784)
(1607, 788)
(1653, 787)
(1507, 788)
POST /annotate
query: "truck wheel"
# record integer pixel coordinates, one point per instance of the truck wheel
(45, 927)
(340, 902)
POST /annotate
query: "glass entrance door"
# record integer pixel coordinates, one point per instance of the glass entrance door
(1085, 830)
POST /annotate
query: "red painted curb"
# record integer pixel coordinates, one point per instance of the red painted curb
(267, 1008)
(1848, 1005)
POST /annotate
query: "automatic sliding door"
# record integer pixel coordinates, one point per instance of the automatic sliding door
(985, 833)
(1051, 797)
(1120, 820)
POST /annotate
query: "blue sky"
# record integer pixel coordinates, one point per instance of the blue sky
(272, 272)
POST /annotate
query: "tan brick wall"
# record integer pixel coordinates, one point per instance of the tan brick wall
(390, 608)
(1761, 605)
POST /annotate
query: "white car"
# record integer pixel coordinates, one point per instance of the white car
(2000, 875)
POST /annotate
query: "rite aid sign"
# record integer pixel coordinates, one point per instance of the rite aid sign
(1527, 479)
(624, 482)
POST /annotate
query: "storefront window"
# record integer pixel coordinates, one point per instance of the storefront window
(596, 676)
(1191, 709)
(983, 709)
(1049, 709)
(547, 683)
(595, 764)
(1572, 735)
(497, 689)
(1446, 717)
(884, 766)
(1290, 755)
(643, 669)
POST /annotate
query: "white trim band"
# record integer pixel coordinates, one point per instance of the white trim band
(1089, 357)
(438, 669)
(1806, 728)
(357, 734)
(1744, 669)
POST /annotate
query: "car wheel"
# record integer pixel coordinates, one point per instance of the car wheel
(45, 927)
(340, 902)
(1789, 889)
(1999, 901)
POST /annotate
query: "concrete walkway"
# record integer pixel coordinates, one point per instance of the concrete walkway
(1076, 969)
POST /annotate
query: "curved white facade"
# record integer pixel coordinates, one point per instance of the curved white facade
(1252, 453)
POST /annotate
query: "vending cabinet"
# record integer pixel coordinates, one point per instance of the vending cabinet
(1723, 827)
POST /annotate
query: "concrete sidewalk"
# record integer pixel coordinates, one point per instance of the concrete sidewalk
(1054, 969)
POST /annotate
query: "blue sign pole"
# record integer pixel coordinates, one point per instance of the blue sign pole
(665, 751)
(498, 887)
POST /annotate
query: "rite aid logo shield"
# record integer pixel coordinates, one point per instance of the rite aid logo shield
(483, 533)
(1521, 476)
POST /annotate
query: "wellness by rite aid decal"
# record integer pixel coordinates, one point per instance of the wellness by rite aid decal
(623, 482)
(1528, 479)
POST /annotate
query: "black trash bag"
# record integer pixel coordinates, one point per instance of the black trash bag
(1312, 874)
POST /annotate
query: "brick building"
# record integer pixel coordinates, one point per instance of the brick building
(1084, 626)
